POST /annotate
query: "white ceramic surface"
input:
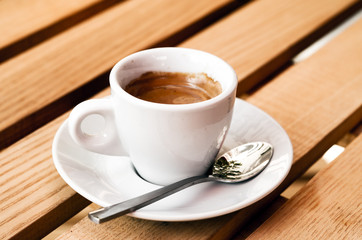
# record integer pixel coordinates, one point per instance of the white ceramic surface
(107, 180)
(177, 140)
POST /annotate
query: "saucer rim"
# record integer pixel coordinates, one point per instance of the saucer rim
(152, 215)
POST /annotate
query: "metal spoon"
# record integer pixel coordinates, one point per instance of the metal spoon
(237, 165)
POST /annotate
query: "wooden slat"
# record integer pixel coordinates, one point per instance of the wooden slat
(34, 200)
(24, 23)
(55, 75)
(32, 152)
(263, 36)
(30, 187)
(328, 207)
(329, 82)
(317, 102)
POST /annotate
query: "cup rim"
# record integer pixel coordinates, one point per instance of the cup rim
(117, 89)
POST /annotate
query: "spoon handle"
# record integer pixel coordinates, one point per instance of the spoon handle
(119, 209)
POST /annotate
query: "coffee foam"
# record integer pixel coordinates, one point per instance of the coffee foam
(174, 87)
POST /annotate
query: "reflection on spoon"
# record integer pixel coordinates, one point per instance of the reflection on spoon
(237, 165)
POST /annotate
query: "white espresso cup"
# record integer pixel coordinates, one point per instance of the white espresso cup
(165, 142)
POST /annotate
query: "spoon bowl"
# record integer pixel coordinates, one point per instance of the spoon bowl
(239, 164)
(243, 162)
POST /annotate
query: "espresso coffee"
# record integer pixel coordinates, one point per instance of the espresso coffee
(174, 87)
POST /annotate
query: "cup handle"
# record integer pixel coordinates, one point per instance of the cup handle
(106, 141)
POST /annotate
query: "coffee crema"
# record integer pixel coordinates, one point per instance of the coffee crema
(174, 87)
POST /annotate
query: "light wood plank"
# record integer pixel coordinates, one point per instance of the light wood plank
(19, 18)
(34, 200)
(328, 207)
(28, 150)
(57, 69)
(263, 36)
(316, 101)
(30, 187)
(327, 83)
(24, 23)
(48, 61)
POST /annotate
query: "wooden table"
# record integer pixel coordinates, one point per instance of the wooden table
(55, 54)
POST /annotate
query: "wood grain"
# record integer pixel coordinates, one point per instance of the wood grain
(317, 102)
(311, 100)
(34, 200)
(25, 23)
(328, 207)
(50, 78)
(316, 89)
(261, 37)
(30, 187)
(19, 18)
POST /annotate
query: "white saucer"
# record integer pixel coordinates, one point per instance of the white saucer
(106, 180)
